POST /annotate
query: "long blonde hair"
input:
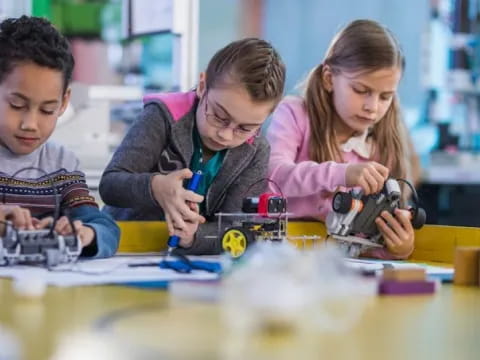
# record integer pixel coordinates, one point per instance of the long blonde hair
(363, 45)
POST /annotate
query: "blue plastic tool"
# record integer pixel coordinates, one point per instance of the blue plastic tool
(184, 265)
(188, 266)
(174, 240)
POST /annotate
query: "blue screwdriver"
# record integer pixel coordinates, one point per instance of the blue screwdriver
(174, 240)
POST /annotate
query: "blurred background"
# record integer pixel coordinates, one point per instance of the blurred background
(126, 48)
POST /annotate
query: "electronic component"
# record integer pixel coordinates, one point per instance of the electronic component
(265, 204)
(44, 247)
(353, 216)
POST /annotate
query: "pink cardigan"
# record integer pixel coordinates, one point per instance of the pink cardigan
(309, 186)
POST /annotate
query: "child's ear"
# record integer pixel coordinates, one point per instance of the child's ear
(202, 85)
(65, 101)
(327, 81)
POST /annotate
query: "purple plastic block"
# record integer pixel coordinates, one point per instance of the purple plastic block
(389, 287)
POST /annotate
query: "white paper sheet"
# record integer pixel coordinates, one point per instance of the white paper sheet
(114, 270)
(375, 265)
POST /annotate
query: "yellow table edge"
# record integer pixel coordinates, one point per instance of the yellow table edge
(433, 243)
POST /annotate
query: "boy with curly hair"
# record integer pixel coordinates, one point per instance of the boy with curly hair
(37, 175)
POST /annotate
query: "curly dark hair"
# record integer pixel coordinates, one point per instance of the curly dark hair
(34, 39)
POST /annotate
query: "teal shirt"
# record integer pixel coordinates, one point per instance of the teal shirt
(209, 169)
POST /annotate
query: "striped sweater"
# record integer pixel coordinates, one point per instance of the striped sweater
(33, 181)
(38, 194)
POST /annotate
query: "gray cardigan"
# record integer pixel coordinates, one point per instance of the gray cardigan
(157, 143)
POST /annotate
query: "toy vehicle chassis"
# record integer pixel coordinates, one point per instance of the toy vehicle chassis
(243, 229)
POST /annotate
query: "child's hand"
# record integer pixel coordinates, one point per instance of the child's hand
(63, 227)
(20, 218)
(369, 176)
(188, 234)
(85, 233)
(397, 232)
(170, 194)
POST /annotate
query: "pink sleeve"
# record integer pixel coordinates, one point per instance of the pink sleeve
(384, 254)
(289, 166)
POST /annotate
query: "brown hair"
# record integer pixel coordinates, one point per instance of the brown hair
(252, 62)
(363, 45)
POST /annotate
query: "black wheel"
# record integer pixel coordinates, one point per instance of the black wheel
(236, 239)
(342, 202)
(419, 218)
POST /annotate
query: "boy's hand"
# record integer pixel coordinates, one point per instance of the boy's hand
(85, 233)
(397, 232)
(63, 227)
(170, 194)
(369, 176)
(20, 218)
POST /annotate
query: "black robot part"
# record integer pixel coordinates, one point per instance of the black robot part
(373, 205)
(275, 205)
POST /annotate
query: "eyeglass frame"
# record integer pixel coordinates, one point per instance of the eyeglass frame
(219, 123)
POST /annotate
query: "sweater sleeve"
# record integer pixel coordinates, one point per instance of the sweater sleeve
(107, 232)
(248, 184)
(126, 181)
(296, 178)
(384, 254)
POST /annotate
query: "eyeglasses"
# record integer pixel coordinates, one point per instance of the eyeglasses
(220, 123)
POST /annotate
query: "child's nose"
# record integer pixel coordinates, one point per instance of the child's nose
(29, 122)
(226, 133)
(371, 104)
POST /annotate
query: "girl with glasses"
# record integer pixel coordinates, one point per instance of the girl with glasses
(213, 129)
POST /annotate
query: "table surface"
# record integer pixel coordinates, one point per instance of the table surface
(141, 323)
(135, 323)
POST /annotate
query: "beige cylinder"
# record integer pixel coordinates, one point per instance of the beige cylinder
(467, 265)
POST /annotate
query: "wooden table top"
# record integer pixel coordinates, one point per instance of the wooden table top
(143, 323)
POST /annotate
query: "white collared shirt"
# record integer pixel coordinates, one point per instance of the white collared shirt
(361, 144)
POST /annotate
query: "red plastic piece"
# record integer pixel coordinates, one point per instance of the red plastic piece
(263, 200)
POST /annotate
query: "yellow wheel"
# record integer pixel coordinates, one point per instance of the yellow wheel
(235, 241)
